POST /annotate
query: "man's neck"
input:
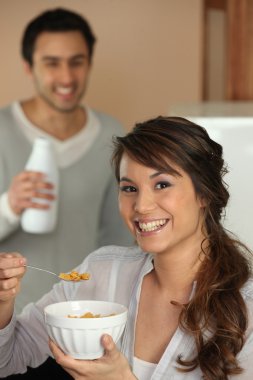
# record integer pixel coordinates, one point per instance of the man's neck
(61, 125)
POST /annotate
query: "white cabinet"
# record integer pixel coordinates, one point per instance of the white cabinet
(231, 124)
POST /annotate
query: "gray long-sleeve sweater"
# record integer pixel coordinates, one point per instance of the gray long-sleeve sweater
(88, 210)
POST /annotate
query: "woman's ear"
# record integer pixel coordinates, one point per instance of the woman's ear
(202, 201)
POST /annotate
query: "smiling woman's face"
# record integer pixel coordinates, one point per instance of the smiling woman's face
(161, 210)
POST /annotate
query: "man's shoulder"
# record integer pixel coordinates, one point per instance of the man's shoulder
(109, 123)
(6, 111)
(7, 121)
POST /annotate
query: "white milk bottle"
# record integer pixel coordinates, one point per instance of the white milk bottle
(42, 159)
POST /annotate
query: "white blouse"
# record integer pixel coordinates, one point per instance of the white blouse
(116, 275)
(143, 370)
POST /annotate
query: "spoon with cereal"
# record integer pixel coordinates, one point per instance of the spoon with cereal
(72, 276)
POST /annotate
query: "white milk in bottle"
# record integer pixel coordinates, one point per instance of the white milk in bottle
(42, 159)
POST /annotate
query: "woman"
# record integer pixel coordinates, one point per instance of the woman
(187, 285)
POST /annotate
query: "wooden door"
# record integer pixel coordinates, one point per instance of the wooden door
(237, 72)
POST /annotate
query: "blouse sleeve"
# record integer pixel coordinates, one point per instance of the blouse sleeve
(245, 357)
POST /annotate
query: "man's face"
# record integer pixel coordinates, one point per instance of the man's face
(61, 66)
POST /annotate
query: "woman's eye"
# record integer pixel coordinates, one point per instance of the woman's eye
(162, 185)
(128, 189)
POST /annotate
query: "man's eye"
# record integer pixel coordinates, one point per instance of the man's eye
(162, 185)
(51, 64)
(77, 63)
(127, 189)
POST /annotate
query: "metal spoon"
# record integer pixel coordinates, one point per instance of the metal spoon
(43, 270)
(87, 276)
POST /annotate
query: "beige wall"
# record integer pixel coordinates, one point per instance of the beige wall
(148, 55)
(216, 55)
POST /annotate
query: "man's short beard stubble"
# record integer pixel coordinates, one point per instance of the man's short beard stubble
(54, 106)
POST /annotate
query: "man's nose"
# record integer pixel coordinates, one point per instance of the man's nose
(66, 73)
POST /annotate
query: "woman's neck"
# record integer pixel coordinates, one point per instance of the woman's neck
(175, 271)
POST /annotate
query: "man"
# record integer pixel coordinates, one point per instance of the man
(57, 49)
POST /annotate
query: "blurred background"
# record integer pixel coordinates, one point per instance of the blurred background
(192, 58)
(149, 53)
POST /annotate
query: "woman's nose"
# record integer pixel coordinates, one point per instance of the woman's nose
(144, 203)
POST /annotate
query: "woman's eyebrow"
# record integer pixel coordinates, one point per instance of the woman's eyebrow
(156, 174)
(125, 179)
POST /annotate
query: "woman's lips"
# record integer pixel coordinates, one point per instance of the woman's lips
(150, 226)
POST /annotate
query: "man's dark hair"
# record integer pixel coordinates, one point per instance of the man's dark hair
(55, 20)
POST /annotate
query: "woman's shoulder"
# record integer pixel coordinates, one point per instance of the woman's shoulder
(126, 260)
(115, 252)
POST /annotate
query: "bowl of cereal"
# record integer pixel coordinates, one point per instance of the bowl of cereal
(77, 326)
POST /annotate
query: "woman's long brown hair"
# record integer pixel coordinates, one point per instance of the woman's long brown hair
(216, 316)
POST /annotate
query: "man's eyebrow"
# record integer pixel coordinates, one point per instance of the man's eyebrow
(57, 58)
(78, 56)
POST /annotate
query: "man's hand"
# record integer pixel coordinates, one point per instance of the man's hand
(27, 186)
(112, 366)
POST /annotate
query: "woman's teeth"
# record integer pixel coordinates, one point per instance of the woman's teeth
(151, 226)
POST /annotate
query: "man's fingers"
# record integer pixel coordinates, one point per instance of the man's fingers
(30, 175)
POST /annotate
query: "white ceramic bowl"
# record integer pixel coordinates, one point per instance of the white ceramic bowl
(81, 337)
